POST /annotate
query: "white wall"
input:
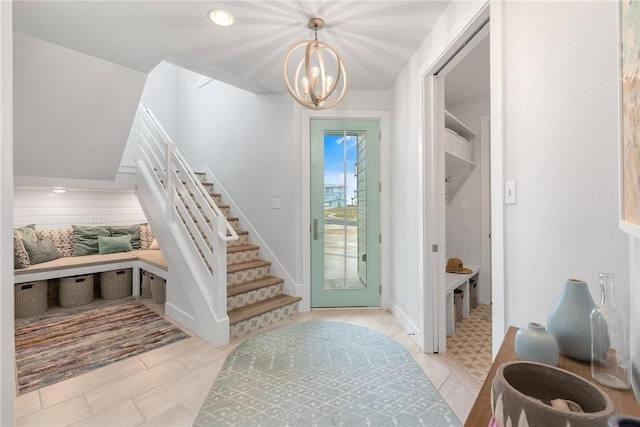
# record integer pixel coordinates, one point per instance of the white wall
(48, 210)
(562, 149)
(246, 141)
(7, 333)
(160, 94)
(406, 170)
(73, 112)
(466, 242)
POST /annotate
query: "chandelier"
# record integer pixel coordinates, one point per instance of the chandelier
(319, 78)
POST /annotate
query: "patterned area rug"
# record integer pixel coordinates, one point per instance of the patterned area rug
(58, 347)
(471, 344)
(318, 373)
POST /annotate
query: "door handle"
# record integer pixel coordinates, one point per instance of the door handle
(315, 229)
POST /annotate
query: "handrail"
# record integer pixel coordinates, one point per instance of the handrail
(173, 152)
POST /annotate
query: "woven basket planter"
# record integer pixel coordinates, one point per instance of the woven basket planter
(30, 298)
(76, 290)
(145, 284)
(457, 303)
(115, 284)
(158, 289)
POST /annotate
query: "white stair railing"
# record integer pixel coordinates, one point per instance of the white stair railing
(188, 205)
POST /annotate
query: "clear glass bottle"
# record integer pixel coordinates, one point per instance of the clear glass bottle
(610, 359)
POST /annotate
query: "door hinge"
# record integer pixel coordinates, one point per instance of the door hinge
(434, 248)
(380, 235)
(364, 257)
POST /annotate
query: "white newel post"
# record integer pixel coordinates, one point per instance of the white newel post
(220, 268)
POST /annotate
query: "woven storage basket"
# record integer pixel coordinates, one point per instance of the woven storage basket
(145, 285)
(473, 293)
(115, 284)
(457, 303)
(76, 290)
(30, 298)
(158, 289)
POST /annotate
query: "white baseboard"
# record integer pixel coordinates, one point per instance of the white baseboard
(182, 317)
(412, 330)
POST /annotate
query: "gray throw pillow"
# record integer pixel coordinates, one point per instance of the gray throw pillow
(42, 251)
(110, 245)
(20, 255)
(85, 239)
(132, 230)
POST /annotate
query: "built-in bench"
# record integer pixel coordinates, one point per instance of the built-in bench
(458, 281)
(147, 259)
(150, 260)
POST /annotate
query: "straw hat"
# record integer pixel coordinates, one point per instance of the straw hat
(454, 265)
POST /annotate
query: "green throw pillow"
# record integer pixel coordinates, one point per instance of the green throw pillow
(132, 230)
(42, 251)
(85, 239)
(28, 232)
(110, 245)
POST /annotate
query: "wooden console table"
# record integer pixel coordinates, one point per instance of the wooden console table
(480, 415)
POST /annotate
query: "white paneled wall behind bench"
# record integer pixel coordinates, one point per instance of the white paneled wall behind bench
(48, 210)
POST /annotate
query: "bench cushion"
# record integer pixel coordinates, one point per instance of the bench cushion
(151, 256)
(82, 261)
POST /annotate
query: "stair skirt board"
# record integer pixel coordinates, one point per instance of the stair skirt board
(254, 323)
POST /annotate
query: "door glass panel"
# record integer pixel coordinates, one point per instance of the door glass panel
(344, 252)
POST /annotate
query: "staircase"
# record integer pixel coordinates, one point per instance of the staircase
(217, 284)
(254, 297)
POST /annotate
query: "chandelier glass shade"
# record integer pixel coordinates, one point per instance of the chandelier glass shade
(314, 72)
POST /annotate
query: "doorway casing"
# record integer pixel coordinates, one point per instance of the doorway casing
(434, 241)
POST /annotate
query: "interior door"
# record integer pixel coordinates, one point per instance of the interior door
(345, 213)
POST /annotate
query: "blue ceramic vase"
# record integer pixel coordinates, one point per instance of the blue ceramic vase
(570, 320)
(535, 344)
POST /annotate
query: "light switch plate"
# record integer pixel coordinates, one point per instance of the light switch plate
(510, 193)
(276, 204)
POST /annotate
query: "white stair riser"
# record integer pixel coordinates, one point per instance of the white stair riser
(255, 323)
(244, 256)
(247, 275)
(242, 300)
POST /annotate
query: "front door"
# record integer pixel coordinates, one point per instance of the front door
(345, 213)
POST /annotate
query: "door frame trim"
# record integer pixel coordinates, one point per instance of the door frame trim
(434, 333)
(305, 227)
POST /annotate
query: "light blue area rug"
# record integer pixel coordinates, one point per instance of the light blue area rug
(318, 373)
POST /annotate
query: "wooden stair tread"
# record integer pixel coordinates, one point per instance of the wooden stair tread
(240, 288)
(261, 307)
(247, 265)
(242, 248)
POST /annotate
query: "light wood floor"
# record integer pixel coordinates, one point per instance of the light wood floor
(167, 386)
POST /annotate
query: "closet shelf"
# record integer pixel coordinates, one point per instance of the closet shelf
(453, 160)
(457, 126)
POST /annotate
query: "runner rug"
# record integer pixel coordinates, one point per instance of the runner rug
(58, 347)
(318, 373)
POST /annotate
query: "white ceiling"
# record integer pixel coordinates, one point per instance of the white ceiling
(376, 38)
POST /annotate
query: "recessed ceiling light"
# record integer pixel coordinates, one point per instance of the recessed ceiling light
(221, 17)
(59, 190)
